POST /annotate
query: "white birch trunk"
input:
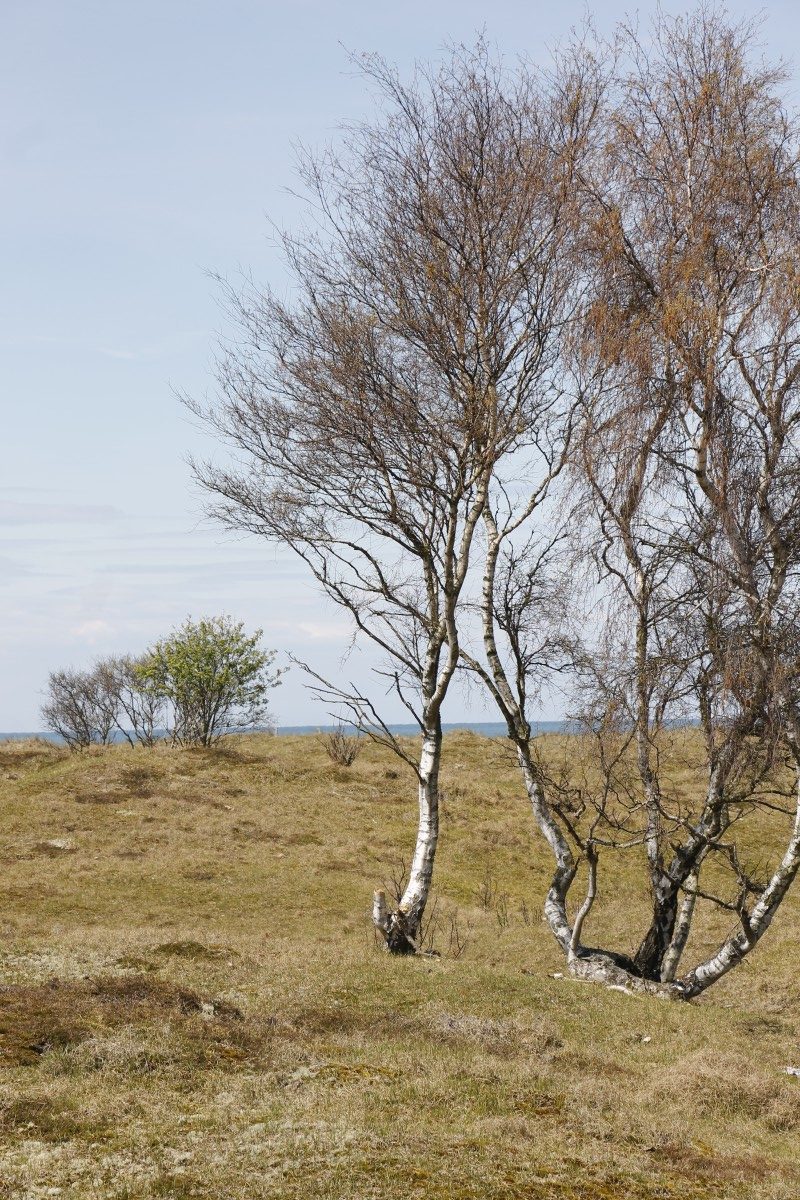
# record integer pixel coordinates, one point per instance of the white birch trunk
(555, 905)
(585, 908)
(742, 942)
(683, 925)
(415, 896)
(401, 928)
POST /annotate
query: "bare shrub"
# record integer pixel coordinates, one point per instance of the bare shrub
(458, 933)
(341, 747)
(86, 707)
(78, 708)
(486, 893)
(139, 708)
(501, 910)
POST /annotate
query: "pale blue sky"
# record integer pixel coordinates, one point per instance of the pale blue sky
(143, 145)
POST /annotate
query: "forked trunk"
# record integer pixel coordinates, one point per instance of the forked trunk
(584, 962)
(602, 968)
(401, 927)
(662, 946)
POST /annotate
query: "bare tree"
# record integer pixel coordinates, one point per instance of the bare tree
(138, 707)
(369, 418)
(528, 587)
(690, 474)
(85, 707)
(79, 708)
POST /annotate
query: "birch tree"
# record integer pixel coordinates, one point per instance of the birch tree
(369, 416)
(687, 472)
(687, 463)
(139, 710)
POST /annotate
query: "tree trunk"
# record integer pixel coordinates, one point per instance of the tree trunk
(555, 905)
(656, 943)
(755, 925)
(665, 926)
(600, 966)
(683, 925)
(401, 928)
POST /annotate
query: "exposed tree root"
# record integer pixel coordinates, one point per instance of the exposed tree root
(594, 966)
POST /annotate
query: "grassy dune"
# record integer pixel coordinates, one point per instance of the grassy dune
(193, 1003)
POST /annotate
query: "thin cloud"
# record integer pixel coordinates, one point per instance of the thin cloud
(92, 632)
(323, 631)
(16, 512)
(10, 569)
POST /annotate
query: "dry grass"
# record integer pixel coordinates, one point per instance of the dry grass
(193, 1003)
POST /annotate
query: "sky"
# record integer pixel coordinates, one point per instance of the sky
(145, 147)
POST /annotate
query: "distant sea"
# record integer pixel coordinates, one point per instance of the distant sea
(486, 728)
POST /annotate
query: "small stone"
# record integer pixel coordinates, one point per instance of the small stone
(57, 845)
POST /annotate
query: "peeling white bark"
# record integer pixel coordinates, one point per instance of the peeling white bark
(415, 896)
(585, 908)
(683, 925)
(380, 912)
(401, 928)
